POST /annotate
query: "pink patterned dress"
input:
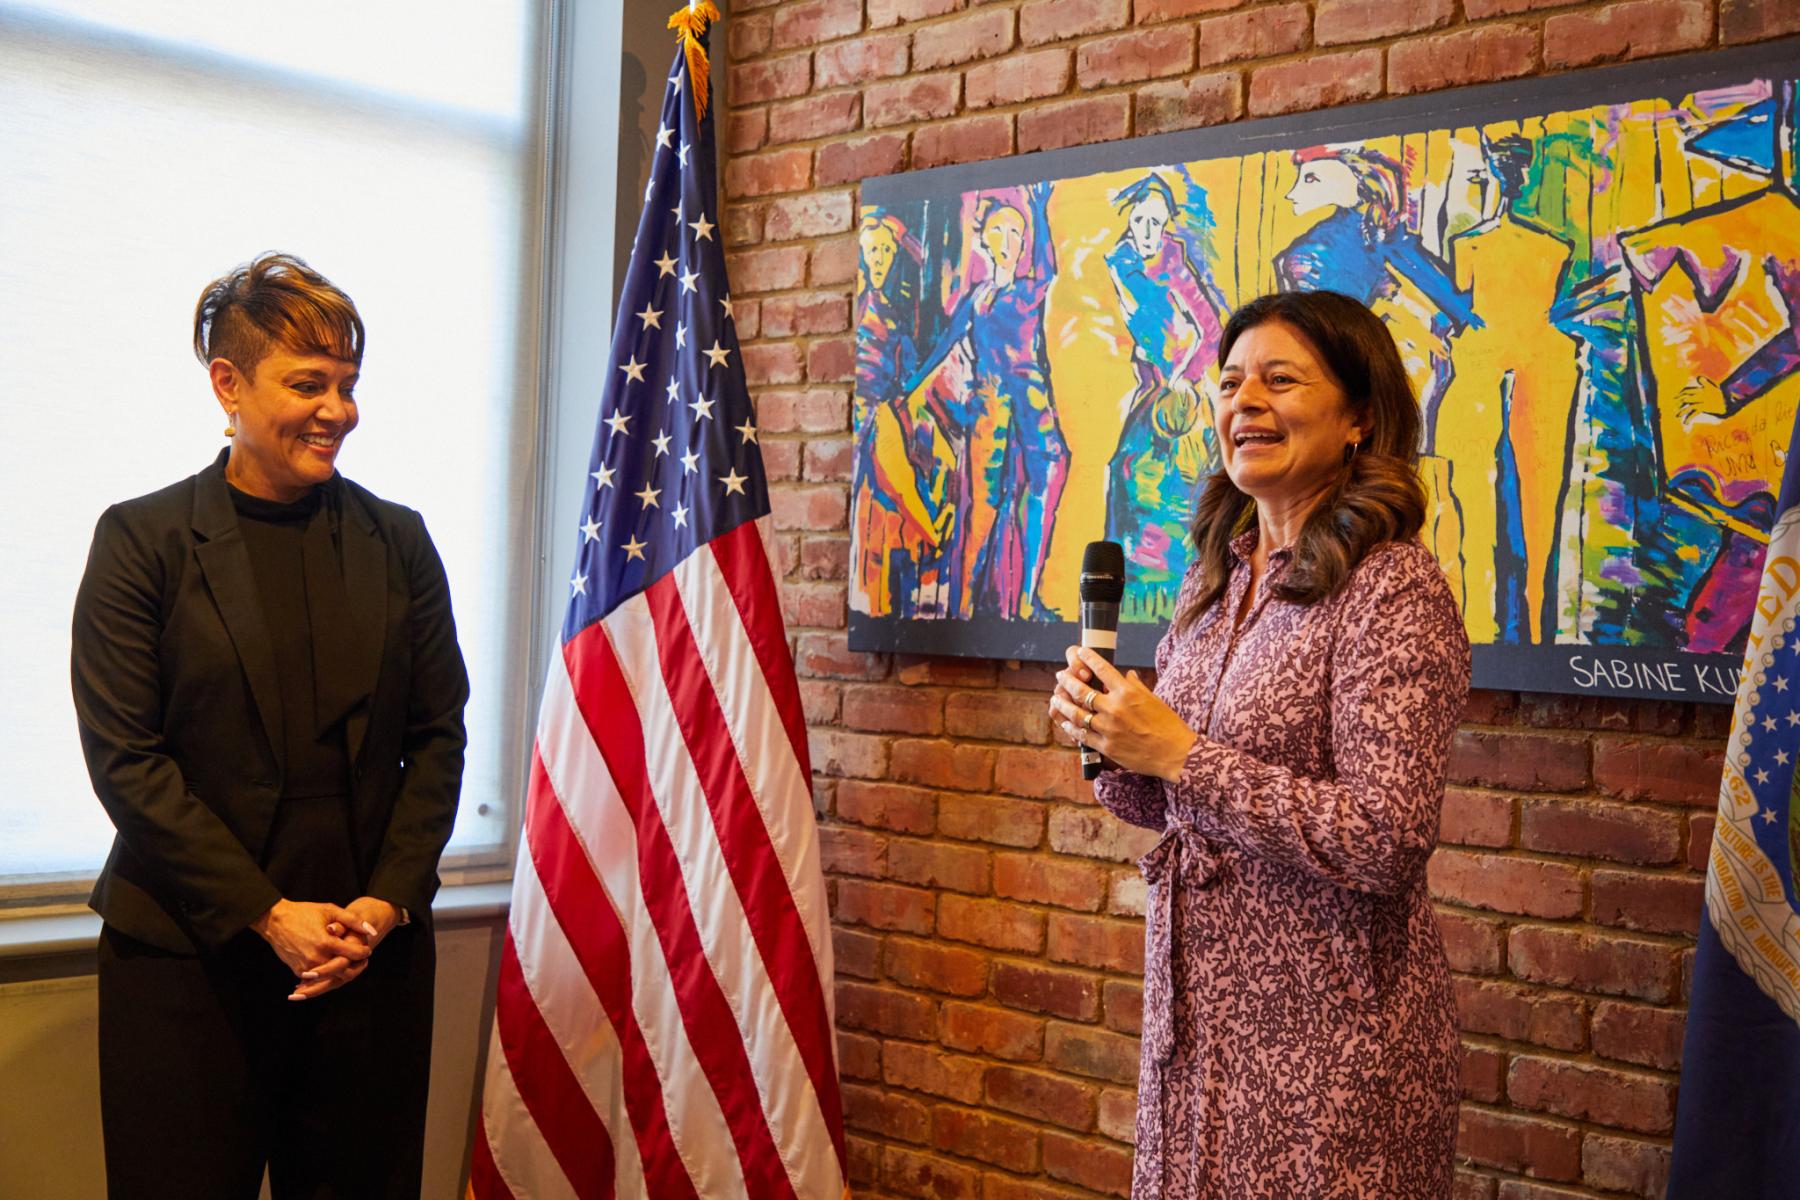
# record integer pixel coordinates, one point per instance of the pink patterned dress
(1299, 1030)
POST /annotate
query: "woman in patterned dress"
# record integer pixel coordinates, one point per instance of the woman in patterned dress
(1299, 1030)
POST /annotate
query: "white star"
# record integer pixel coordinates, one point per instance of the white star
(634, 549)
(717, 354)
(702, 228)
(1781, 683)
(734, 482)
(1769, 724)
(1793, 718)
(676, 212)
(603, 478)
(664, 265)
(648, 496)
(1768, 816)
(681, 153)
(1781, 758)
(702, 408)
(634, 370)
(649, 190)
(674, 390)
(665, 136)
(688, 462)
(661, 442)
(1762, 777)
(687, 280)
(578, 585)
(725, 302)
(619, 421)
(680, 336)
(680, 515)
(590, 531)
(652, 318)
(747, 431)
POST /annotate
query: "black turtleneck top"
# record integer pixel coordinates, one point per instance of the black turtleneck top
(317, 761)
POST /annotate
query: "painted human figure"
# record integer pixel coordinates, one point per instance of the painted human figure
(1363, 247)
(1515, 376)
(898, 518)
(1173, 312)
(1717, 293)
(997, 398)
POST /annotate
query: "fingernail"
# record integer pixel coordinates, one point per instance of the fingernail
(296, 996)
(309, 974)
(368, 928)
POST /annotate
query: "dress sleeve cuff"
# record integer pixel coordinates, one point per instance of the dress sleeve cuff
(1207, 771)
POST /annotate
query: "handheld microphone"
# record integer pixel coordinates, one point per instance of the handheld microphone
(1102, 587)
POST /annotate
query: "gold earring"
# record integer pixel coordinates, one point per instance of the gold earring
(230, 426)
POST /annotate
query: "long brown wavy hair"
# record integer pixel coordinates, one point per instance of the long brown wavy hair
(1377, 497)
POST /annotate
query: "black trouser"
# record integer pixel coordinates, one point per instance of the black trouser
(208, 1073)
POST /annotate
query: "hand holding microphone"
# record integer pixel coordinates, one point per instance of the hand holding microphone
(1115, 720)
(1102, 588)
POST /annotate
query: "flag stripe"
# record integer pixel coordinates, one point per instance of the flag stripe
(596, 817)
(616, 729)
(568, 1000)
(523, 1164)
(589, 921)
(761, 879)
(780, 783)
(785, 1093)
(744, 563)
(484, 1175)
(552, 1094)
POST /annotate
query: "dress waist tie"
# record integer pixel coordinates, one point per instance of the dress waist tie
(1181, 858)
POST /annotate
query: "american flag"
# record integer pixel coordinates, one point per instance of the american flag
(664, 1025)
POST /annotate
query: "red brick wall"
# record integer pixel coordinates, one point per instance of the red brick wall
(988, 933)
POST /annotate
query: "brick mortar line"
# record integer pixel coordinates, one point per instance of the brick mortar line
(1533, 21)
(1681, 940)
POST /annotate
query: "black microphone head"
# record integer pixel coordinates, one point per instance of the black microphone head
(1103, 573)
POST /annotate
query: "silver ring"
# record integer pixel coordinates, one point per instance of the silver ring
(1093, 695)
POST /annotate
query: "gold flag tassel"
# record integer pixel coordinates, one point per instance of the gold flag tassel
(689, 22)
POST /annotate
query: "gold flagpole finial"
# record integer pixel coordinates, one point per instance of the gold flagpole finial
(689, 23)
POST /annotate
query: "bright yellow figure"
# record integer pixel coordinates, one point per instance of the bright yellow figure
(1515, 376)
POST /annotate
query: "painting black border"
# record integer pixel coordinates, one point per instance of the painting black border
(1623, 671)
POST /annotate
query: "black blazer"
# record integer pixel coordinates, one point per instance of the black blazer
(176, 693)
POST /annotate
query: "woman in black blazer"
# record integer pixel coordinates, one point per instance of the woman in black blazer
(270, 696)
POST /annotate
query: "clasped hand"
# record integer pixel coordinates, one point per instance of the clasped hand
(1119, 716)
(325, 945)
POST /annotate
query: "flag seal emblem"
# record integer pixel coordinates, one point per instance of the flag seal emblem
(1750, 892)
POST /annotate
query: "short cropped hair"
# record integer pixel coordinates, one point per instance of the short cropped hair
(275, 300)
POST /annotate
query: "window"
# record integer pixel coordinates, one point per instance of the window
(150, 147)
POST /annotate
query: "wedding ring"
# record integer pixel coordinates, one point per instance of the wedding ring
(1088, 703)
(1087, 722)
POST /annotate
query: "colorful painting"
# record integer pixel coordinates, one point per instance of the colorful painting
(1593, 281)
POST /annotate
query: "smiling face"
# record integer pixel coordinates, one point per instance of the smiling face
(1282, 418)
(1323, 183)
(878, 250)
(1002, 237)
(292, 414)
(1149, 217)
